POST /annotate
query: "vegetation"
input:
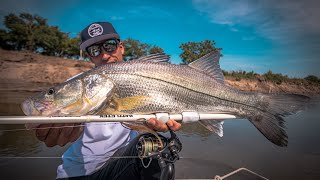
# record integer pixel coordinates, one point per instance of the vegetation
(276, 78)
(32, 33)
(195, 50)
(135, 49)
(238, 75)
(313, 79)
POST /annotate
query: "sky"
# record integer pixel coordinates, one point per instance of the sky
(256, 35)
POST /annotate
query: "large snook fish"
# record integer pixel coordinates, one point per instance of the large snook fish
(151, 84)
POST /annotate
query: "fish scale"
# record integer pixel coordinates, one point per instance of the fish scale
(183, 80)
(166, 96)
(178, 75)
(151, 85)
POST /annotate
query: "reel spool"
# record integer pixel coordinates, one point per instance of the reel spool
(163, 149)
(149, 144)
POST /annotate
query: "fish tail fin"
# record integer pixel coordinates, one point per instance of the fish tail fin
(286, 104)
(269, 120)
(272, 127)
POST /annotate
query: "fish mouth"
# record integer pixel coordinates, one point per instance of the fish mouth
(27, 107)
(31, 108)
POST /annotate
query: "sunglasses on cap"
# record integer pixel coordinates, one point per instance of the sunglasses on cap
(108, 46)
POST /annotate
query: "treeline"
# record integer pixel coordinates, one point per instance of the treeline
(32, 33)
(276, 78)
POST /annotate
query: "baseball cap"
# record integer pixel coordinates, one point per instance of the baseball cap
(96, 32)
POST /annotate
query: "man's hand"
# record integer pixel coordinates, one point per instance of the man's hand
(51, 135)
(153, 123)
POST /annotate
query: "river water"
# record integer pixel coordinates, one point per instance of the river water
(204, 155)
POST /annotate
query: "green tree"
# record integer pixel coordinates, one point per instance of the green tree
(72, 46)
(195, 50)
(276, 78)
(32, 33)
(5, 42)
(135, 49)
(52, 41)
(312, 78)
(23, 30)
(155, 49)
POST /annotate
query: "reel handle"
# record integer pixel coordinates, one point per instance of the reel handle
(167, 173)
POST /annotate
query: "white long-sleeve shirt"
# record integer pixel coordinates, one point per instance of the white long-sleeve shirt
(91, 151)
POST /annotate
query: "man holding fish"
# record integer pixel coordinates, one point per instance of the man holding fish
(145, 86)
(95, 143)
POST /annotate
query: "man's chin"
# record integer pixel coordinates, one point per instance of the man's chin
(109, 61)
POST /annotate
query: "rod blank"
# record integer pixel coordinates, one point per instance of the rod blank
(105, 118)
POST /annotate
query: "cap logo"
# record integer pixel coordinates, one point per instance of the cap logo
(95, 30)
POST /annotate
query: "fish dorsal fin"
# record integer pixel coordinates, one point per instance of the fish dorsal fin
(209, 64)
(158, 58)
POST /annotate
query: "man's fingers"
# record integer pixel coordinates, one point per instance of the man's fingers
(58, 134)
(174, 125)
(31, 126)
(157, 125)
(64, 135)
(162, 127)
(53, 135)
(41, 134)
(76, 133)
(151, 123)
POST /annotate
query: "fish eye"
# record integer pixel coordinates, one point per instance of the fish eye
(51, 91)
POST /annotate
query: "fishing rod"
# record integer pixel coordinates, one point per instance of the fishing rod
(184, 117)
(148, 145)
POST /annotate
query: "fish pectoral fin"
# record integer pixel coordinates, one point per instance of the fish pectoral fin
(130, 103)
(272, 127)
(141, 126)
(213, 126)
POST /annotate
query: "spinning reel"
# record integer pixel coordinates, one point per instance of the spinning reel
(165, 150)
